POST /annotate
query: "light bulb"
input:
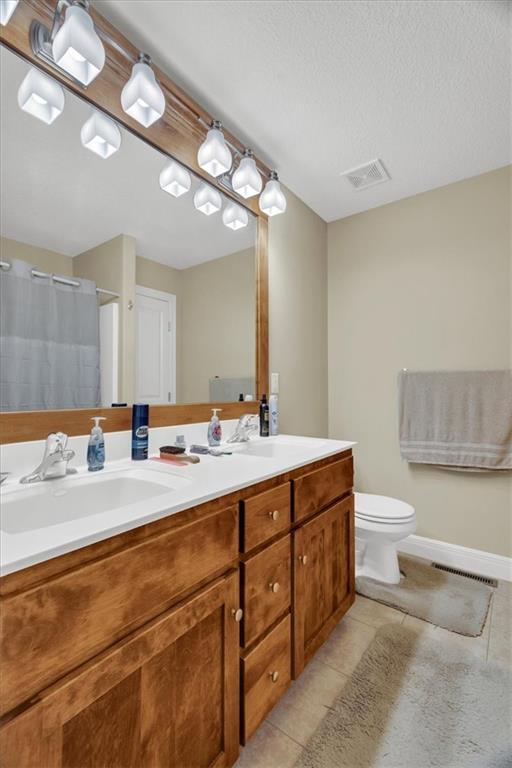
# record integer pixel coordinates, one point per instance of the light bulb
(142, 98)
(175, 179)
(101, 135)
(41, 96)
(207, 200)
(272, 200)
(7, 8)
(234, 216)
(246, 179)
(77, 47)
(214, 156)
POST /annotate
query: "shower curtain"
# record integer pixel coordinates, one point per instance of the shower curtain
(49, 342)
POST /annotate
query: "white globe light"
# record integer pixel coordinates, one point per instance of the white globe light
(246, 179)
(77, 48)
(175, 179)
(7, 8)
(41, 96)
(142, 98)
(214, 156)
(101, 135)
(234, 216)
(207, 200)
(272, 200)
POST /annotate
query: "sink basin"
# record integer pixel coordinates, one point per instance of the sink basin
(277, 447)
(53, 502)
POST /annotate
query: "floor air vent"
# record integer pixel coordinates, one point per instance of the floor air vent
(367, 175)
(475, 576)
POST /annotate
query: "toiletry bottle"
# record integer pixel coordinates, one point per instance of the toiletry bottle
(140, 431)
(264, 417)
(214, 428)
(273, 405)
(96, 447)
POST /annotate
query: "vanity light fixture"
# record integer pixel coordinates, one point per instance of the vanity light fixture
(142, 98)
(41, 96)
(101, 135)
(272, 200)
(246, 179)
(7, 8)
(234, 216)
(175, 179)
(214, 156)
(207, 199)
(76, 47)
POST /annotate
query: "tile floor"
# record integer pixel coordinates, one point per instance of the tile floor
(279, 740)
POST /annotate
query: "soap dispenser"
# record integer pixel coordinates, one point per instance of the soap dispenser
(214, 428)
(96, 447)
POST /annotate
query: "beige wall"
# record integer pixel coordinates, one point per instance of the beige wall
(46, 261)
(423, 283)
(298, 317)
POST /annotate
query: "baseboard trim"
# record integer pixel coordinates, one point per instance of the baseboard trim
(474, 560)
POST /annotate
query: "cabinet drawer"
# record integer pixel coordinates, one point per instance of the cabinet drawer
(317, 489)
(265, 676)
(266, 590)
(54, 627)
(265, 515)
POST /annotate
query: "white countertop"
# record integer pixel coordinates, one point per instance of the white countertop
(211, 478)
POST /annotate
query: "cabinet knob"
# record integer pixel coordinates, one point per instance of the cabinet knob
(274, 676)
(303, 559)
(274, 515)
(237, 614)
(274, 586)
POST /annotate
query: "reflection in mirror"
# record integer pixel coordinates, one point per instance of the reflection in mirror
(113, 290)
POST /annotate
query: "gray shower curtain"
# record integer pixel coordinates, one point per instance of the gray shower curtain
(49, 342)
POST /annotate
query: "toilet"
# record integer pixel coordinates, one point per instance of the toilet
(381, 522)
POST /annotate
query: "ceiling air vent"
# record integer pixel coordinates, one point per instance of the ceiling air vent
(367, 175)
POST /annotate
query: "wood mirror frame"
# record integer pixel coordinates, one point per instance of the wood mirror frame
(178, 133)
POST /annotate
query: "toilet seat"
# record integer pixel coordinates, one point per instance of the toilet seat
(382, 509)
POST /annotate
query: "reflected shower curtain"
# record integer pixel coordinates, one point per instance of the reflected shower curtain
(49, 342)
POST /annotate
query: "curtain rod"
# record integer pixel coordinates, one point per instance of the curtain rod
(60, 279)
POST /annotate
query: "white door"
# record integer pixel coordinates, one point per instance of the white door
(155, 359)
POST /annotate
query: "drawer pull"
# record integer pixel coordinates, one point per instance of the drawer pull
(274, 515)
(237, 614)
(274, 676)
(303, 559)
(274, 586)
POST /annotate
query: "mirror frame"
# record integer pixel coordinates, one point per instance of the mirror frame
(178, 134)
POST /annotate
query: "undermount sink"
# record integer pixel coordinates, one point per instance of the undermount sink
(53, 502)
(277, 447)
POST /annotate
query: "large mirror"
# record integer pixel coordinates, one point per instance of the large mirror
(112, 290)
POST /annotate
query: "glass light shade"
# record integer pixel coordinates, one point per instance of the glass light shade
(7, 8)
(207, 200)
(272, 200)
(214, 156)
(175, 179)
(41, 96)
(142, 98)
(246, 179)
(77, 48)
(101, 135)
(234, 216)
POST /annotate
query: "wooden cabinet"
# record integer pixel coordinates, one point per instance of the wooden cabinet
(167, 695)
(317, 489)
(324, 580)
(265, 516)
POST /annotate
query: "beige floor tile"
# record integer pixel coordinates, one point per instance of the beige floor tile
(303, 707)
(500, 640)
(475, 645)
(269, 748)
(346, 645)
(373, 613)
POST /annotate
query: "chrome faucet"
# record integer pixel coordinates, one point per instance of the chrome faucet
(55, 460)
(247, 423)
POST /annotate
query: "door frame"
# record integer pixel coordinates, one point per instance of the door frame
(170, 298)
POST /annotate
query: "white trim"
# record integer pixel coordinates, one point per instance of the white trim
(152, 293)
(474, 560)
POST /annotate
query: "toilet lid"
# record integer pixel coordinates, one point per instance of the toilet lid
(382, 508)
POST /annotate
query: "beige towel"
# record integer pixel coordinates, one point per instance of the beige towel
(459, 419)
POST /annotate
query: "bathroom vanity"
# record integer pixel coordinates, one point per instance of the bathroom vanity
(168, 644)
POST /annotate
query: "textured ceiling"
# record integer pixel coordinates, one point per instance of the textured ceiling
(320, 87)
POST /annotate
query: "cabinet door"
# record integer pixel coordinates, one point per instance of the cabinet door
(167, 695)
(324, 582)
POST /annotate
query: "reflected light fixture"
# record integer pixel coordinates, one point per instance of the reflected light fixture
(272, 200)
(175, 179)
(7, 8)
(207, 199)
(234, 216)
(214, 156)
(41, 96)
(76, 47)
(246, 179)
(101, 135)
(142, 98)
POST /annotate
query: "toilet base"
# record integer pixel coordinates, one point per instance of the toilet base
(378, 560)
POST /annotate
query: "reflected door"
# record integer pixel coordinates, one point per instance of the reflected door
(155, 330)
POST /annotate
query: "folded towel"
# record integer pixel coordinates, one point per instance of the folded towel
(457, 419)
